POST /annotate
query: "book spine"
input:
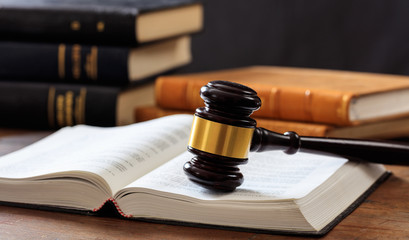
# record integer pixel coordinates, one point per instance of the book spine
(301, 128)
(72, 25)
(304, 129)
(64, 63)
(277, 103)
(45, 106)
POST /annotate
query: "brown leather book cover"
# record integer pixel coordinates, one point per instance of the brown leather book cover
(394, 128)
(145, 113)
(308, 95)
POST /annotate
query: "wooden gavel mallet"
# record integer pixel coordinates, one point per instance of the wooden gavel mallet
(223, 133)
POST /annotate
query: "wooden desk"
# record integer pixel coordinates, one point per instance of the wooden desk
(384, 215)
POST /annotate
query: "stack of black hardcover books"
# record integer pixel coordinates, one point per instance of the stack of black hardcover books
(64, 63)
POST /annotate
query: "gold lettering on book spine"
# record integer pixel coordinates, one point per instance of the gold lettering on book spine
(80, 106)
(61, 61)
(100, 26)
(50, 107)
(76, 61)
(75, 25)
(91, 63)
(67, 108)
(60, 110)
(220, 139)
(69, 101)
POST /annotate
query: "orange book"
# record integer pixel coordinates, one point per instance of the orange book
(378, 130)
(309, 95)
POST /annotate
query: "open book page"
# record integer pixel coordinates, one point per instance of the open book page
(119, 155)
(268, 176)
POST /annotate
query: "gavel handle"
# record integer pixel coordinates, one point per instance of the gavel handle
(355, 150)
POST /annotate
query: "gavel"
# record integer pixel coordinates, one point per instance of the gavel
(223, 134)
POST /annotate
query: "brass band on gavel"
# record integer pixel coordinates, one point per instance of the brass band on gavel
(220, 139)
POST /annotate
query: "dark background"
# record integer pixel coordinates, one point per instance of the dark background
(369, 36)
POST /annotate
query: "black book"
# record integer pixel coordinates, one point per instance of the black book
(96, 64)
(52, 106)
(99, 21)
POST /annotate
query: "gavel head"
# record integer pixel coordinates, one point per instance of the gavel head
(221, 135)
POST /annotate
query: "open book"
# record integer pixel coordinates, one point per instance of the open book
(139, 168)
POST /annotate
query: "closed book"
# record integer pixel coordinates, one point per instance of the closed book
(93, 64)
(51, 106)
(99, 21)
(310, 95)
(388, 129)
(145, 113)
